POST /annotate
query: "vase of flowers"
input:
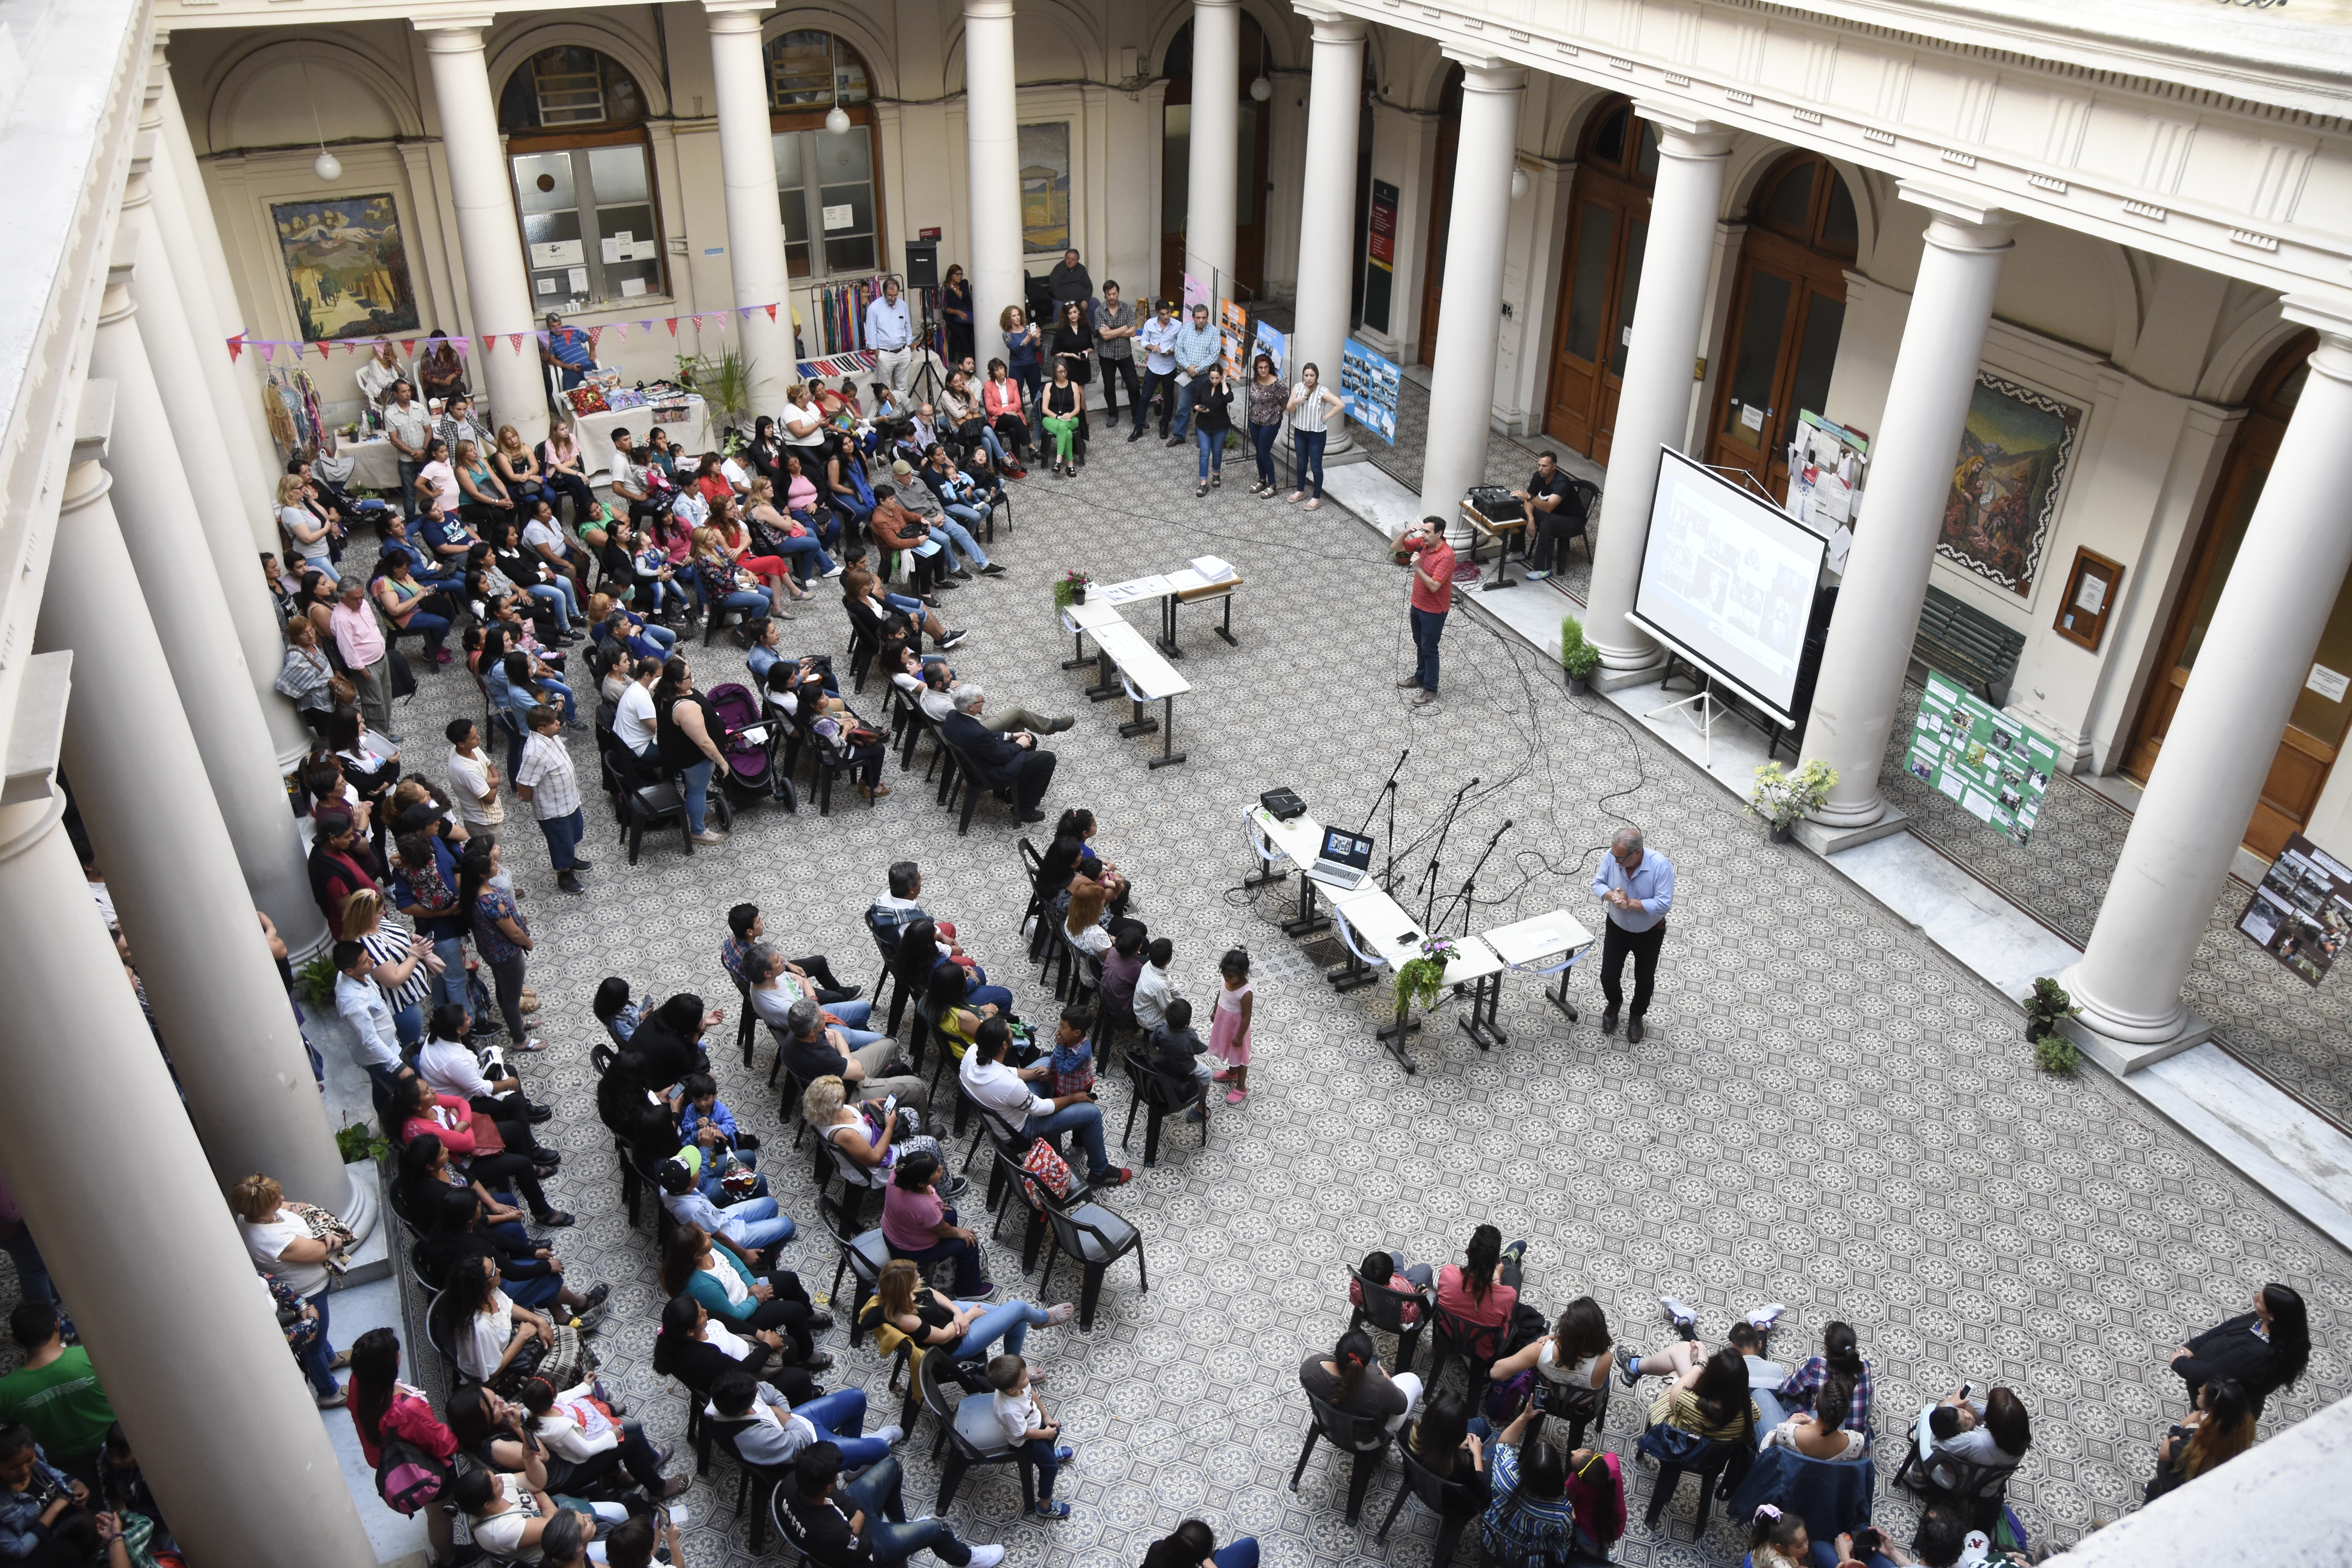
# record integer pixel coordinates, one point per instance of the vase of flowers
(1420, 981)
(1070, 588)
(1784, 799)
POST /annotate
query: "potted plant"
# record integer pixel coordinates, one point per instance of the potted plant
(315, 981)
(1070, 588)
(2053, 1052)
(1785, 799)
(1420, 981)
(1578, 658)
(725, 383)
(358, 1140)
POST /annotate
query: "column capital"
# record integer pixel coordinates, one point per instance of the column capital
(1964, 222)
(1333, 25)
(31, 804)
(989, 10)
(1482, 72)
(454, 35)
(1682, 134)
(737, 15)
(2332, 358)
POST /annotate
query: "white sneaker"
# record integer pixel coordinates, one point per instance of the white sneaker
(835, 571)
(987, 1556)
(893, 1433)
(1679, 1314)
(1765, 1316)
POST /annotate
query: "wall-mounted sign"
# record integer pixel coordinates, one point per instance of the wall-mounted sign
(1993, 767)
(2302, 912)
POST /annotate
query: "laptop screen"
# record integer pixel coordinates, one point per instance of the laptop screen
(1347, 848)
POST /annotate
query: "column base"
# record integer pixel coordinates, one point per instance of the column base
(1605, 680)
(2122, 1057)
(1827, 838)
(1840, 818)
(372, 1257)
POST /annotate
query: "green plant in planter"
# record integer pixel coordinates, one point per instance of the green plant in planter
(316, 980)
(1420, 981)
(1784, 799)
(2053, 1052)
(725, 383)
(358, 1140)
(1578, 657)
(1070, 587)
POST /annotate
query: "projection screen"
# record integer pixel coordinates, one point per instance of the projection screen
(1727, 580)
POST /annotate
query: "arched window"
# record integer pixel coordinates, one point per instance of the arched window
(824, 179)
(583, 170)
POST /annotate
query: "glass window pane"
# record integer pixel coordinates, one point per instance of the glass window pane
(848, 156)
(1596, 245)
(1789, 206)
(1759, 362)
(1637, 238)
(543, 182)
(1816, 354)
(618, 174)
(570, 84)
(853, 254)
(1839, 231)
(787, 147)
(800, 70)
(1609, 142)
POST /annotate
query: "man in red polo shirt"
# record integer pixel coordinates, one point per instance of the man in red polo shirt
(1433, 596)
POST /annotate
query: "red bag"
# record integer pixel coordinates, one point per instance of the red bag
(1597, 1493)
(1043, 1166)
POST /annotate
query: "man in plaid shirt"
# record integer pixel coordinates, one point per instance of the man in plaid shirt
(1529, 1518)
(545, 779)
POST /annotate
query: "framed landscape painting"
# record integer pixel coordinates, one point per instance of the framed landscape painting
(347, 268)
(2015, 452)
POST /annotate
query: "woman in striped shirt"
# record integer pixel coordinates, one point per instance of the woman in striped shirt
(404, 964)
(1312, 404)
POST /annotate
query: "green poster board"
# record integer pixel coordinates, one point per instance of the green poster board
(1993, 767)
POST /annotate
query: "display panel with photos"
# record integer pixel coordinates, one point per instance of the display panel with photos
(2301, 914)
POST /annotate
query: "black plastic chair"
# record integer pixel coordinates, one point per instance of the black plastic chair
(959, 1453)
(1582, 1405)
(639, 803)
(1159, 1095)
(1710, 1465)
(862, 1256)
(1346, 1433)
(1480, 1344)
(1977, 1492)
(755, 1484)
(1384, 1307)
(745, 1022)
(1094, 1239)
(1452, 1502)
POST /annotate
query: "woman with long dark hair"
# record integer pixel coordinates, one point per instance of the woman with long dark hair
(1444, 1443)
(955, 304)
(687, 728)
(695, 1347)
(1194, 1545)
(1710, 1400)
(1575, 1354)
(1350, 1377)
(1485, 1286)
(1264, 398)
(383, 1407)
(1061, 404)
(715, 1272)
(1841, 1353)
(2220, 1428)
(500, 937)
(2265, 1350)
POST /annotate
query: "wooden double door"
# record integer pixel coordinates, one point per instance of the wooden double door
(2316, 729)
(1608, 228)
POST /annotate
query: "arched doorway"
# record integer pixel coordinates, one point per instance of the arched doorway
(1441, 209)
(1787, 307)
(1254, 141)
(2316, 729)
(1608, 223)
(583, 179)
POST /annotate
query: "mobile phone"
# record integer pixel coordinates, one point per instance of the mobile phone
(1965, 1391)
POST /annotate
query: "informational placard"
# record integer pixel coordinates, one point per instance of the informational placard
(1369, 385)
(1379, 255)
(1195, 293)
(1232, 332)
(1274, 346)
(1993, 767)
(2302, 912)
(1826, 464)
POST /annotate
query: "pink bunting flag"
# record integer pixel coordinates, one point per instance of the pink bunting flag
(515, 341)
(268, 352)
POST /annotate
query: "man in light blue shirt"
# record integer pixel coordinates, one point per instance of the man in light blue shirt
(1157, 339)
(890, 333)
(375, 1038)
(1638, 889)
(1197, 350)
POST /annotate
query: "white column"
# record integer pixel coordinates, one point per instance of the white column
(1885, 580)
(136, 771)
(486, 232)
(2224, 733)
(1653, 406)
(1210, 198)
(205, 1390)
(210, 662)
(214, 314)
(1462, 382)
(747, 161)
(206, 448)
(1327, 214)
(992, 119)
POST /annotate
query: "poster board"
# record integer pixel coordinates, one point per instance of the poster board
(1369, 385)
(1828, 465)
(1233, 333)
(2302, 912)
(1972, 753)
(1274, 344)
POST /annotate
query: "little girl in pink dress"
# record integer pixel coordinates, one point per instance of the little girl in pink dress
(1229, 1037)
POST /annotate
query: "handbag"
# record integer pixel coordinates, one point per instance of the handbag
(562, 1363)
(1671, 1444)
(404, 680)
(321, 1225)
(1043, 1167)
(342, 692)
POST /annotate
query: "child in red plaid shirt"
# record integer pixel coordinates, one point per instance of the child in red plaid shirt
(1073, 1058)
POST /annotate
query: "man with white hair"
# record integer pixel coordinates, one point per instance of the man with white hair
(1638, 888)
(1013, 762)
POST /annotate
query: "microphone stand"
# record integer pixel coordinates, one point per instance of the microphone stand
(1467, 895)
(1486, 994)
(1429, 877)
(1388, 880)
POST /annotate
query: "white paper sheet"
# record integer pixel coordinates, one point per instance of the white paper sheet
(559, 253)
(632, 286)
(612, 248)
(547, 285)
(579, 280)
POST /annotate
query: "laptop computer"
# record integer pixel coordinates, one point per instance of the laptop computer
(1345, 859)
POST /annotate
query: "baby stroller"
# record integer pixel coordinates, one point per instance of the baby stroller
(750, 739)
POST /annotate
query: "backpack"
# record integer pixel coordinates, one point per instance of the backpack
(1047, 1169)
(408, 1479)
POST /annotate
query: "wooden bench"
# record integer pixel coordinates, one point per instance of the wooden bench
(1967, 645)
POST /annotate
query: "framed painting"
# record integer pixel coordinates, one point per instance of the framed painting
(1046, 188)
(2014, 453)
(347, 267)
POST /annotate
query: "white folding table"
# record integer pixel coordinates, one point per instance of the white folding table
(1525, 944)
(1145, 677)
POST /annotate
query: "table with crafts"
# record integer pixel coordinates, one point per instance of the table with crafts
(683, 417)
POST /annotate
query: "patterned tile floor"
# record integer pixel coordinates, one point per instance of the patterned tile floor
(1827, 1113)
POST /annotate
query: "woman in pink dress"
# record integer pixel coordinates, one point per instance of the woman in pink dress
(1229, 1037)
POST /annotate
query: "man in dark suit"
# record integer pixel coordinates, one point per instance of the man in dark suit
(1013, 760)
